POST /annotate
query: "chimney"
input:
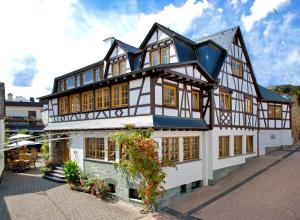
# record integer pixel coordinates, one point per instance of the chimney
(107, 43)
(9, 97)
(31, 99)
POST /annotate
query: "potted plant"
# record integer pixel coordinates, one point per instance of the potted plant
(102, 188)
(72, 172)
(83, 178)
(86, 184)
(45, 170)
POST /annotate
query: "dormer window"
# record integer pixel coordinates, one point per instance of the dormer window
(98, 73)
(164, 55)
(160, 56)
(119, 68)
(87, 77)
(70, 82)
(154, 60)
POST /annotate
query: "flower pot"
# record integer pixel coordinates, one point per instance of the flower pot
(93, 192)
(102, 195)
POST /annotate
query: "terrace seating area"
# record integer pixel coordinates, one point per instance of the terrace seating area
(22, 159)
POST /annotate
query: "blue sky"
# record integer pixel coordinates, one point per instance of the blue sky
(44, 39)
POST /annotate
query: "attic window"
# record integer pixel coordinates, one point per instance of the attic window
(119, 68)
(160, 56)
(154, 58)
(237, 68)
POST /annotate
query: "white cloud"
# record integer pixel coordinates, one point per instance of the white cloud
(260, 9)
(63, 36)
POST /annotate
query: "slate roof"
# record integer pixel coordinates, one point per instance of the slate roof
(223, 38)
(128, 48)
(268, 95)
(167, 122)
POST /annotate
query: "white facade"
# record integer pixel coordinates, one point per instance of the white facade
(2, 138)
(22, 111)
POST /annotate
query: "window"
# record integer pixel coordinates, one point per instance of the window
(170, 149)
(238, 144)
(275, 111)
(111, 150)
(87, 77)
(87, 101)
(237, 68)
(190, 148)
(77, 81)
(248, 104)
(119, 68)
(98, 73)
(102, 98)
(120, 95)
(112, 188)
(134, 194)
(94, 148)
(225, 101)
(249, 143)
(154, 59)
(74, 103)
(183, 188)
(63, 105)
(165, 55)
(170, 95)
(61, 85)
(195, 100)
(70, 82)
(196, 184)
(223, 146)
(122, 67)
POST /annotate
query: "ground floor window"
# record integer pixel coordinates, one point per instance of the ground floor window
(190, 148)
(111, 150)
(249, 143)
(196, 184)
(134, 194)
(112, 188)
(183, 188)
(170, 149)
(94, 148)
(223, 146)
(238, 144)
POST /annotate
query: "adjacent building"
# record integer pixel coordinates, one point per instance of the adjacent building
(22, 113)
(201, 98)
(2, 130)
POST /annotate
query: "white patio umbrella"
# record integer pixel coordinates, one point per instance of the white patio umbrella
(19, 136)
(23, 143)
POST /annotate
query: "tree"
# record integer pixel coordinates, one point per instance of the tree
(140, 161)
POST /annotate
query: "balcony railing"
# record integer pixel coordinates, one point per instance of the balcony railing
(24, 124)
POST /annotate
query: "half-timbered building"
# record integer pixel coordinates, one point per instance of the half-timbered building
(201, 98)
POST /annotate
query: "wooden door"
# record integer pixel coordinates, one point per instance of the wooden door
(66, 150)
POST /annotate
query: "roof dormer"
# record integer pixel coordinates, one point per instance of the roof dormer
(120, 59)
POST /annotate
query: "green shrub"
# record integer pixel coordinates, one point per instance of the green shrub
(45, 170)
(72, 171)
(45, 150)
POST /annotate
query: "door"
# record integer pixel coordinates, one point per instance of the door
(66, 150)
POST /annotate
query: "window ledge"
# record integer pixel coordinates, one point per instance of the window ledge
(187, 161)
(238, 155)
(136, 200)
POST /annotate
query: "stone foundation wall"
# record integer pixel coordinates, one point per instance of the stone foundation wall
(107, 171)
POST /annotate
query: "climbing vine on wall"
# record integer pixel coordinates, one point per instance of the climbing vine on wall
(139, 160)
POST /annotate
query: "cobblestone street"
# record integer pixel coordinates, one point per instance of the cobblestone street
(29, 196)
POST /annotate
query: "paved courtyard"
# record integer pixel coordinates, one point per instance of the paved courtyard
(29, 196)
(275, 194)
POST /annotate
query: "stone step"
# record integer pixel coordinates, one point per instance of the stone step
(58, 171)
(59, 167)
(57, 175)
(55, 179)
